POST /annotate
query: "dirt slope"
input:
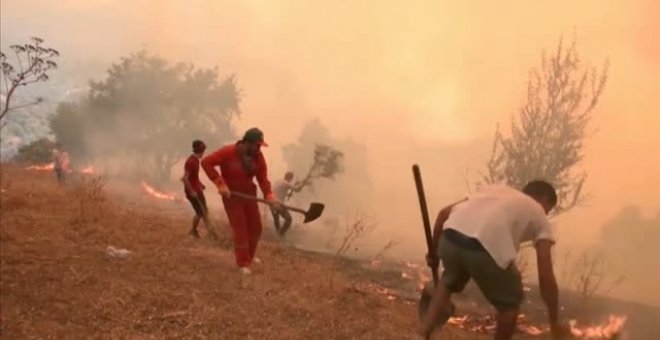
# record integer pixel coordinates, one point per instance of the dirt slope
(57, 282)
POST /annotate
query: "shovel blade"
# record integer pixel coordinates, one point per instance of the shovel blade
(315, 210)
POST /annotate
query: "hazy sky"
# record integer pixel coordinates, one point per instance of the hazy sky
(412, 79)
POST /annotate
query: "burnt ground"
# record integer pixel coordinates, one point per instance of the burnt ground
(642, 321)
(56, 281)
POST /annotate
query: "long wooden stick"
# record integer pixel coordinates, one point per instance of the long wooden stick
(425, 216)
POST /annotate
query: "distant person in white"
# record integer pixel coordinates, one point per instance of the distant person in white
(478, 238)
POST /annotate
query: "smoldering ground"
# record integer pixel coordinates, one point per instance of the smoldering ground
(423, 83)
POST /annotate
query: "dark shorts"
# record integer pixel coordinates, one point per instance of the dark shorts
(281, 228)
(59, 172)
(463, 258)
(198, 203)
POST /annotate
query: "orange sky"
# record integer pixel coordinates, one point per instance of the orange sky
(404, 77)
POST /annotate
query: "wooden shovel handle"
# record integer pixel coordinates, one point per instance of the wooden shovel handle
(425, 216)
(259, 199)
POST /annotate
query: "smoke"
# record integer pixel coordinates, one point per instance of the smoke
(621, 237)
(425, 82)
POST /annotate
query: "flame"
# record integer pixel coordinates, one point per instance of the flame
(384, 291)
(524, 326)
(51, 166)
(423, 276)
(154, 193)
(486, 324)
(483, 324)
(411, 265)
(458, 320)
(388, 293)
(531, 330)
(608, 330)
(88, 170)
(44, 167)
(418, 271)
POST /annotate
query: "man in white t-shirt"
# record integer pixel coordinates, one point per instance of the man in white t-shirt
(478, 238)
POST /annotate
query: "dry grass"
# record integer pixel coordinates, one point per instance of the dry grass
(57, 283)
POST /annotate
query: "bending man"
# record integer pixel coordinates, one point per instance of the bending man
(478, 238)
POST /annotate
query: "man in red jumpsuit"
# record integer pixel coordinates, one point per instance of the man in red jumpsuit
(239, 163)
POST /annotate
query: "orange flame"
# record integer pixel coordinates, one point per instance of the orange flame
(157, 194)
(473, 324)
(370, 287)
(485, 324)
(530, 329)
(608, 330)
(88, 170)
(524, 326)
(390, 295)
(458, 320)
(416, 271)
(44, 167)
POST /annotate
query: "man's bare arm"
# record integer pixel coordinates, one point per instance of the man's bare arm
(186, 183)
(432, 257)
(547, 281)
(440, 220)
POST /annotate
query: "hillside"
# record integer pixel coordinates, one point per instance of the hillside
(57, 281)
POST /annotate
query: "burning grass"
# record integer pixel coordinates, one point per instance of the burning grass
(151, 191)
(611, 329)
(57, 282)
(473, 317)
(42, 167)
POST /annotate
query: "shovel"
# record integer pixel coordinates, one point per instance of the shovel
(315, 209)
(429, 287)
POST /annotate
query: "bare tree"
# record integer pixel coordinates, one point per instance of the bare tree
(31, 65)
(359, 226)
(546, 139)
(356, 226)
(588, 275)
(90, 197)
(391, 244)
(327, 163)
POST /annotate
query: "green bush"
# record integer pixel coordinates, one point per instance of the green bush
(39, 151)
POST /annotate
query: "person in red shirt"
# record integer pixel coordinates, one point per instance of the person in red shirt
(239, 163)
(194, 188)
